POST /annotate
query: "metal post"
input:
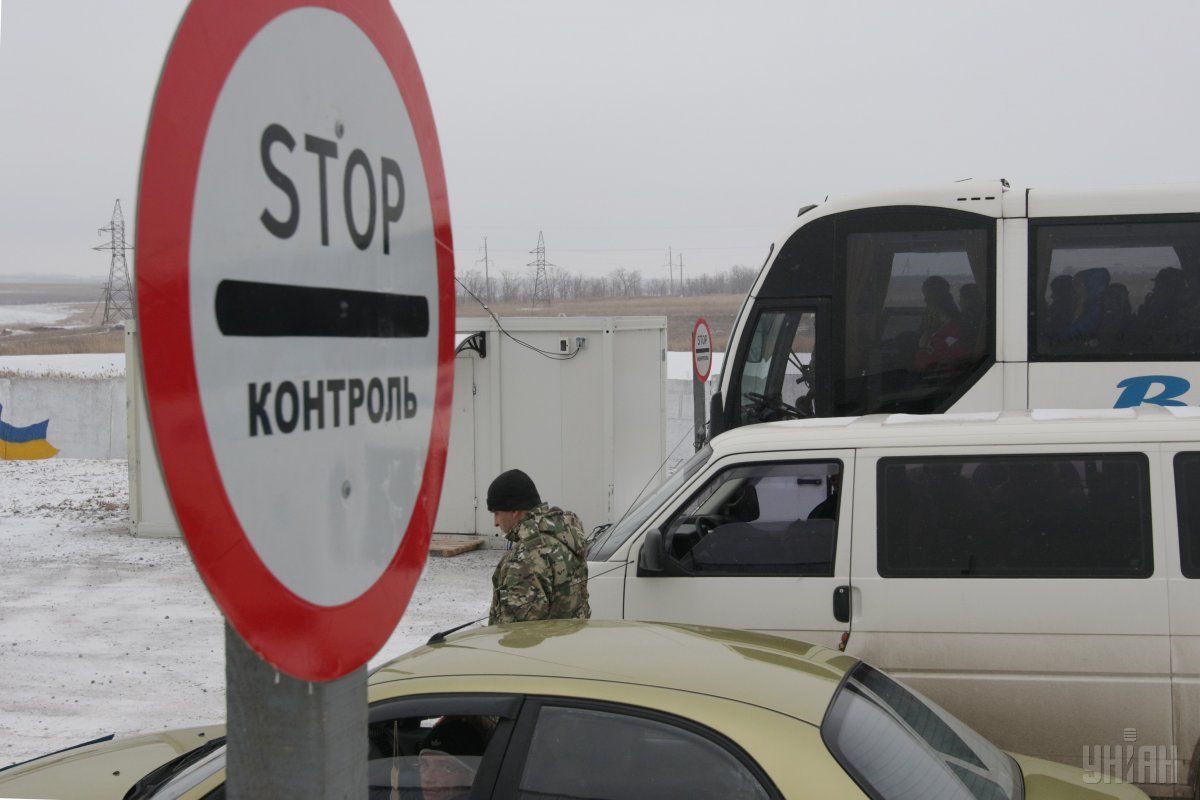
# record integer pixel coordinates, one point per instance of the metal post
(699, 409)
(291, 738)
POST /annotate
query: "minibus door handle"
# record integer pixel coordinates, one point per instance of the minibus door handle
(841, 604)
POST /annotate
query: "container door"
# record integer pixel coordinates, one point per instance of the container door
(456, 511)
(762, 545)
(1021, 588)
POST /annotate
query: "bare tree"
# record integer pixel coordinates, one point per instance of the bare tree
(510, 285)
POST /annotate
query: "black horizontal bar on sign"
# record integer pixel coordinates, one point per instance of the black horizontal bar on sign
(249, 308)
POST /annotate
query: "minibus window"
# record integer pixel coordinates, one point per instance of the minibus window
(1114, 290)
(1015, 516)
(1187, 505)
(777, 518)
(898, 745)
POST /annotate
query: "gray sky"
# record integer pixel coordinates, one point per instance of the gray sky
(621, 128)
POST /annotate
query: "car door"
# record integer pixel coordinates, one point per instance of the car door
(762, 545)
(438, 745)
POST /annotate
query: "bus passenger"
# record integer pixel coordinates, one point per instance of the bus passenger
(1158, 326)
(1115, 318)
(940, 337)
(1061, 309)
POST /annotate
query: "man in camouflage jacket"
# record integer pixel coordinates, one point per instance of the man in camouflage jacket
(544, 575)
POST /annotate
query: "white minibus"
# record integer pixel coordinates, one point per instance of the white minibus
(972, 296)
(1035, 572)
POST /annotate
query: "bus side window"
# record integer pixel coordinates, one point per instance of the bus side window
(916, 311)
(1114, 290)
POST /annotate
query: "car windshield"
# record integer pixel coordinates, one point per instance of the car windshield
(897, 745)
(608, 541)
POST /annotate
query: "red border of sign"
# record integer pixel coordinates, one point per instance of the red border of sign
(702, 378)
(305, 640)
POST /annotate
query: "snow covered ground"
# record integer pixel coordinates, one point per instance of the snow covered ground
(104, 633)
(77, 365)
(106, 365)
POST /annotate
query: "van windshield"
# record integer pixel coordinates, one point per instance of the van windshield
(610, 540)
(897, 745)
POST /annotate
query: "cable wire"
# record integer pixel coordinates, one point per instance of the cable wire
(550, 354)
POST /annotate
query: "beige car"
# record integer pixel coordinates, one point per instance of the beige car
(618, 710)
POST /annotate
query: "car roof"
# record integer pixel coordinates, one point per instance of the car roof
(1039, 426)
(784, 675)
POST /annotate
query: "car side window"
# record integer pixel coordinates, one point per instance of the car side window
(776, 518)
(425, 757)
(604, 755)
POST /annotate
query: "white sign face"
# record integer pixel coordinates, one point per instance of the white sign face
(702, 350)
(314, 304)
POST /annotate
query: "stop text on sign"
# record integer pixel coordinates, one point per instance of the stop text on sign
(387, 203)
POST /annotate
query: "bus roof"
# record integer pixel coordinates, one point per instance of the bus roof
(997, 198)
(1039, 426)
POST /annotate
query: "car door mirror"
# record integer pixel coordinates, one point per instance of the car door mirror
(652, 558)
(716, 416)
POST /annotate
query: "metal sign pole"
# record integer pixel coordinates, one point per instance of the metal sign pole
(292, 738)
(699, 412)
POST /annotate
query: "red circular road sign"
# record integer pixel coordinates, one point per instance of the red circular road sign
(295, 306)
(702, 342)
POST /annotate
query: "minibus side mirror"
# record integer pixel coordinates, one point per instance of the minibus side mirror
(716, 416)
(652, 558)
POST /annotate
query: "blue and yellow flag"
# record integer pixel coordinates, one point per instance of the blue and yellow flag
(26, 442)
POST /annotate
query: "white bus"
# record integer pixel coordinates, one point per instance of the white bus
(972, 296)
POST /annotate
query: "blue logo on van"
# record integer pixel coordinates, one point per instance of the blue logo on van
(1138, 390)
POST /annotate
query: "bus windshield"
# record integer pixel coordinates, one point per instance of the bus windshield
(883, 311)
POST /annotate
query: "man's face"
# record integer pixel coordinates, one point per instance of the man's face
(506, 520)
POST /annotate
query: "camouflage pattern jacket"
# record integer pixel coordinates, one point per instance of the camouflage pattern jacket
(544, 575)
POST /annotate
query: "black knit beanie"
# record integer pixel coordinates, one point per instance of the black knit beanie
(512, 491)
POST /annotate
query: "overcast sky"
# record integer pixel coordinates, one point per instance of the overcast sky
(621, 128)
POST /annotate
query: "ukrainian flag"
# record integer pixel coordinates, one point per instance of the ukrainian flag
(25, 443)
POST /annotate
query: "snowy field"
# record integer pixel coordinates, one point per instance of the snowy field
(104, 633)
(33, 314)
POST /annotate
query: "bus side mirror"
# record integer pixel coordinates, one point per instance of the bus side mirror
(652, 558)
(716, 416)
